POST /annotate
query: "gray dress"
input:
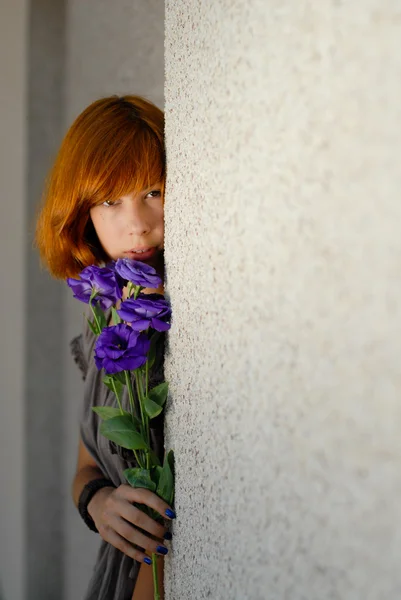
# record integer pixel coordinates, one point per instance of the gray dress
(114, 574)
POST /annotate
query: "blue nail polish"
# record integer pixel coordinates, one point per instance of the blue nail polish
(168, 536)
(162, 549)
(170, 513)
(147, 560)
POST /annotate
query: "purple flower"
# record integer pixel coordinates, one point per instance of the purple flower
(120, 280)
(119, 348)
(101, 279)
(137, 272)
(148, 310)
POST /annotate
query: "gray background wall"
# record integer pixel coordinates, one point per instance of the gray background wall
(283, 247)
(13, 140)
(44, 377)
(57, 57)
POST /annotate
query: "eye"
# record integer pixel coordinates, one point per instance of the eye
(109, 203)
(157, 192)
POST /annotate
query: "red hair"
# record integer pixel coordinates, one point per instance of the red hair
(113, 148)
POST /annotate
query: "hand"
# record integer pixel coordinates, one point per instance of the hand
(117, 519)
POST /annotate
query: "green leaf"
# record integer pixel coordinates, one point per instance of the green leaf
(137, 422)
(108, 381)
(108, 412)
(122, 431)
(152, 349)
(116, 318)
(140, 478)
(165, 487)
(120, 377)
(151, 408)
(159, 393)
(92, 327)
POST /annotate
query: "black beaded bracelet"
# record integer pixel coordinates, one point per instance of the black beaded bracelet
(86, 496)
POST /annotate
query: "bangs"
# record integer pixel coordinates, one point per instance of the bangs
(122, 163)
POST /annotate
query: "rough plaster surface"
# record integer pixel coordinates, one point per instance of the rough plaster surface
(283, 259)
(112, 48)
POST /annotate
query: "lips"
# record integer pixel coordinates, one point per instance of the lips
(149, 252)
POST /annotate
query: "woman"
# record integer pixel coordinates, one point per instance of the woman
(105, 200)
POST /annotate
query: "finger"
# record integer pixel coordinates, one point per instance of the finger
(133, 535)
(147, 497)
(116, 540)
(134, 515)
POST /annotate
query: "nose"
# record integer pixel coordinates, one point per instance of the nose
(137, 219)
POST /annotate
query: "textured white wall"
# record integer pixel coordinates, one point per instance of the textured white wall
(283, 254)
(112, 48)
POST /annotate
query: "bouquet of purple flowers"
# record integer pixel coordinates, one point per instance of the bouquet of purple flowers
(126, 351)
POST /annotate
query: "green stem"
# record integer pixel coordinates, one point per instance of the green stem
(138, 389)
(138, 460)
(146, 376)
(117, 396)
(137, 289)
(134, 412)
(155, 577)
(145, 428)
(130, 394)
(96, 320)
(146, 424)
(146, 418)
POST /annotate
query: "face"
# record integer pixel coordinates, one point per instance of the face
(130, 223)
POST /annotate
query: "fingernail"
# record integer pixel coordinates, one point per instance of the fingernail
(147, 560)
(170, 513)
(162, 549)
(168, 536)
